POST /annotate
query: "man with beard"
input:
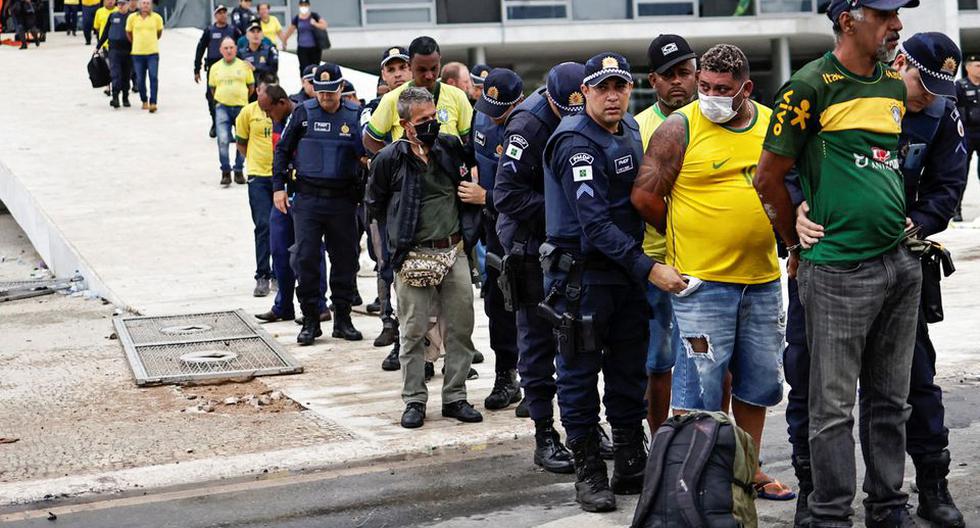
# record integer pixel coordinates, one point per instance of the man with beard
(838, 120)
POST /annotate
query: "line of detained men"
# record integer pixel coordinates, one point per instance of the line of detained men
(569, 194)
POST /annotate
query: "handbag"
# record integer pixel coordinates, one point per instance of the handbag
(423, 269)
(98, 71)
(322, 38)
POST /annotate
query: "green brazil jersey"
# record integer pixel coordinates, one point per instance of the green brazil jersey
(843, 130)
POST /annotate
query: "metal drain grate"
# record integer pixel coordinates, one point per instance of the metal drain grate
(195, 347)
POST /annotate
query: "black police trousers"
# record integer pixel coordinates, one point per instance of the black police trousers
(502, 324)
(329, 220)
(925, 431)
(536, 357)
(121, 68)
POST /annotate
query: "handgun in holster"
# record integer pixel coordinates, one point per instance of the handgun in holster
(504, 281)
(573, 332)
(936, 263)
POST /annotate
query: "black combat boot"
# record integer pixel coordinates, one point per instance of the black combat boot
(114, 102)
(549, 452)
(392, 362)
(804, 477)
(342, 325)
(389, 332)
(935, 502)
(629, 459)
(125, 100)
(311, 331)
(505, 391)
(591, 483)
(898, 517)
(605, 443)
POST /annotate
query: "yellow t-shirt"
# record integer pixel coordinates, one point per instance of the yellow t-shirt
(90, 3)
(144, 30)
(71, 2)
(271, 29)
(654, 244)
(98, 23)
(453, 111)
(254, 127)
(230, 82)
(716, 227)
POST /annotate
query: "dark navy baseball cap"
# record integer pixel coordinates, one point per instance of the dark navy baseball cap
(937, 58)
(668, 50)
(308, 72)
(255, 25)
(501, 89)
(606, 65)
(328, 78)
(220, 7)
(564, 87)
(348, 88)
(479, 74)
(837, 7)
(394, 53)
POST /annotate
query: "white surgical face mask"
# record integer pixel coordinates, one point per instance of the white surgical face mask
(717, 108)
(304, 10)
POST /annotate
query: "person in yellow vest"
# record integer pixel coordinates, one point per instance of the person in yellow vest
(71, 17)
(89, 7)
(144, 29)
(695, 185)
(271, 27)
(231, 81)
(101, 15)
(253, 136)
(673, 74)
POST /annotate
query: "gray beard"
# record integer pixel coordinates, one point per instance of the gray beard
(884, 54)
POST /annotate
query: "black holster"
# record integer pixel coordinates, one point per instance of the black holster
(936, 263)
(573, 331)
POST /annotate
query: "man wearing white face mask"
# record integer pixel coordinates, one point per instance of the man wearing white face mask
(695, 185)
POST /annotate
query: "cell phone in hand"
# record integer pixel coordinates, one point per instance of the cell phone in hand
(693, 283)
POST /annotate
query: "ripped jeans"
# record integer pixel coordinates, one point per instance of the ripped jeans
(729, 327)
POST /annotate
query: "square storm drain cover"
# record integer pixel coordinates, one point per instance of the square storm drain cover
(198, 347)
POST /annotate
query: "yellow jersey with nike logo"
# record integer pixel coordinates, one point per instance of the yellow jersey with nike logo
(716, 227)
(654, 244)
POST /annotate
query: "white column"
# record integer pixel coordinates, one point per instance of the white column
(478, 55)
(781, 67)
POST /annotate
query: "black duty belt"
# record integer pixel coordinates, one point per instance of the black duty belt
(442, 243)
(323, 192)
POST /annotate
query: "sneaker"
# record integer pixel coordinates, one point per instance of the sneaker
(261, 288)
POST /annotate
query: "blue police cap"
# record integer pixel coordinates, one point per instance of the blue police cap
(564, 87)
(328, 78)
(348, 88)
(937, 58)
(837, 7)
(308, 72)
(606, 65)
(501, 89)
(394, 53)
(479, 73)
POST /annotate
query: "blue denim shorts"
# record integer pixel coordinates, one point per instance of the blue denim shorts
(744, 327)
(664, 337)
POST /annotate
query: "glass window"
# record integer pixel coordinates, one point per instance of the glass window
(785, 6)
(398, 16)
(726, 8)
(968, 5)
(665, 8)
(526, 12)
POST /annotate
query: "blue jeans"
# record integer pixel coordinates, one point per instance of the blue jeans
(260, 202)
(224, 120)
(88, 17)
(144, 65)
(743, 328)
(71, 17)
(281, 239)
(665, 340)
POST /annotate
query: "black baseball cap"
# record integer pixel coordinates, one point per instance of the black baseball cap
(348, 88)
(971, 57)
(220, 7)
(564, 87)
(255, 25)
(668, 50)
(308, 72)
(837, 7)
(479, 73)
(937, 58)
(328, 78)
(393, 53)
(605, 65)
(502, 88)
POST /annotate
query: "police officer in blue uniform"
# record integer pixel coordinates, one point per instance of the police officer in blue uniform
(934, 164)
(518, 197)
(306, 93)
(968, 101)
(503, 90)
(209, 48)
(595, 281)
(263, 57)
(120, 63)
(322, 140)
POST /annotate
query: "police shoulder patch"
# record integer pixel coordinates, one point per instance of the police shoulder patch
(582, 173)
(480, 138)
(518, 140)
(581, 157)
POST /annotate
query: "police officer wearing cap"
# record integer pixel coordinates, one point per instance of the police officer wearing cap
(257, 53)
(968, 101)
(209, 48)
(934, 163)
(518, 197)
(595, 279)
(503, 90)
(478, 75)
(307, 92)
(322, 140)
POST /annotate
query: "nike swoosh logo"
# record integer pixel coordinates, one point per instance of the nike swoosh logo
(719, 164)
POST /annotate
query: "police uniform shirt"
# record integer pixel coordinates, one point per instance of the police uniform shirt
(209, 44)
(487, 146)
(115, 33)
(295, 130)
(264, 60)
(968, 100)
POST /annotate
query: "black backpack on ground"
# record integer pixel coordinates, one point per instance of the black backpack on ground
(699, 475)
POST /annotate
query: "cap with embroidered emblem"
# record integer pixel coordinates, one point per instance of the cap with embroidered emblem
(606, 65)
(220, 7)
(668, 50)
(479, 73)
(564, 87)
(501, 89)
(937, 58)
(308, 72)
(328, 78)
(394, 53)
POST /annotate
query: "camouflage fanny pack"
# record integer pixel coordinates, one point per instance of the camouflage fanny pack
(425, 267)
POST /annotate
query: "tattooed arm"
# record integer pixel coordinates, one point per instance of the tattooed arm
(658, 172)
(770, 183)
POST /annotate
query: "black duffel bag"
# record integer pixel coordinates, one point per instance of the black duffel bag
(98, 71)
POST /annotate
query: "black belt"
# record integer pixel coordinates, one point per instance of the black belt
(442, 243)
(323, 192)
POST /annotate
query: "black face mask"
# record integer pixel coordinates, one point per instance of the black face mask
(427, 131)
